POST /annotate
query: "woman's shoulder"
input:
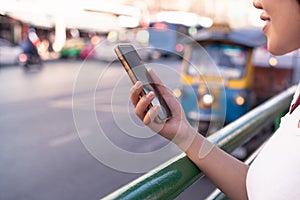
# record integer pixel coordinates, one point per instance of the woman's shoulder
(274, 173)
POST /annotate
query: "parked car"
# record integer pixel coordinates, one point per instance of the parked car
(88, 51)
(9, 53)
(104, 51)
(103, 47)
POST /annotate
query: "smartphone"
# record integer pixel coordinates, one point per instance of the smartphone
(137, 71)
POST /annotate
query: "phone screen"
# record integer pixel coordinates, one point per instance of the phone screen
(138, 72)
(135, 63)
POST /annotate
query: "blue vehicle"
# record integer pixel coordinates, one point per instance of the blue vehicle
(217, 78)
(167, 38)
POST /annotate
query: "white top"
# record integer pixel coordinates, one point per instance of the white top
(275, 173)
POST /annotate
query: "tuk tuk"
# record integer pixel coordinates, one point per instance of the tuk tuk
(217, 77)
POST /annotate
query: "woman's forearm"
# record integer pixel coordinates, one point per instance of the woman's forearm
(225, 171)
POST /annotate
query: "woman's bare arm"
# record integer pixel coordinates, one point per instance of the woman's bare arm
(225, 171)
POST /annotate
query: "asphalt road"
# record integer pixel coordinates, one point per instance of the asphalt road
(68, 131)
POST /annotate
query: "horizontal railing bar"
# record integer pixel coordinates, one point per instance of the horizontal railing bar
(250, 124)
(173, 177)
(164, 182)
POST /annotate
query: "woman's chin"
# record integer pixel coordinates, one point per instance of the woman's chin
(281, 49)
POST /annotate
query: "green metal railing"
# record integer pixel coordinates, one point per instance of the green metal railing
(173, 177)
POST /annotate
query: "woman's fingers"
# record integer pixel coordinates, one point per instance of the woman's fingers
(141, 103)
(142, 109)
(151, 114)
(150, 117)
(135, 92)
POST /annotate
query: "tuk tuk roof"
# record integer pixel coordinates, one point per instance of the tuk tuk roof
(249, 37)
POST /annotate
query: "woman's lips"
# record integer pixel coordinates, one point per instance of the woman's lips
(264, 17)
(267, 20)
(265, 27)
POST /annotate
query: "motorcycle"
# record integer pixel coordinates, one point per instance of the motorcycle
(28, 61)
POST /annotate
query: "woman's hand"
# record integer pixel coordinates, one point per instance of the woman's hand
(177, 128)
(225, 171)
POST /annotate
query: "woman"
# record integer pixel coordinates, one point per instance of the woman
(275, 174)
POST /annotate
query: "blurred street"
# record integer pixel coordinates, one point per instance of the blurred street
(42, 150)
(68, 130)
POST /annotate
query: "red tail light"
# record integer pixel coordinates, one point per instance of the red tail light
(22, 57)
(179, 47)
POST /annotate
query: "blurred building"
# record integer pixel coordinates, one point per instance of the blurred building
(235, 12)
(98, 15)
(10, 29)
